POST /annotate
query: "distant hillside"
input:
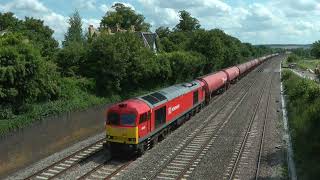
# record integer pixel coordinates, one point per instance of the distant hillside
(288, 46)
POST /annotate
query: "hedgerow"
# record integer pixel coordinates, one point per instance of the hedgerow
(303, 106)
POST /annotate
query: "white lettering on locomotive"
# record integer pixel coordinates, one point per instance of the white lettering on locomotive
(172, 109)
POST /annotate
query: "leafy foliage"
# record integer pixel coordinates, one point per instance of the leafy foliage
(184, 66)
(315, 49)
(125, 17)
(186, 22)
(293, 58)
(163, 31)
(41, 35)
(34, 30)
(305, 53)
(304, 123)
(8, 21)
(108, 60)
(25, 76)
(74, 33)
(70, 58)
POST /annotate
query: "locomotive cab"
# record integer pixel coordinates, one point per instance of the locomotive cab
(122, 124)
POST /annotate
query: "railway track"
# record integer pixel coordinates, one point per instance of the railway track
(186, 155)
(111, 168)
(107, 170)
(233, 172)
(56, 169)
(182, 160)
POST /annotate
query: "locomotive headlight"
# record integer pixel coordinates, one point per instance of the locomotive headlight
(110, 137)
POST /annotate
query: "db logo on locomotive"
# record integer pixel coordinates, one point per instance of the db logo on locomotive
(171, 109)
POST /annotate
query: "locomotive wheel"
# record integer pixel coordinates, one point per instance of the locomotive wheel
(141, 150)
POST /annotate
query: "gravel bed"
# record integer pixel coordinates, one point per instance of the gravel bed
(216, 162)
(273, 157)
(21, 174)
(85, 166)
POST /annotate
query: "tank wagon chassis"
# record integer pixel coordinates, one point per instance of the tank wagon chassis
(138, 124)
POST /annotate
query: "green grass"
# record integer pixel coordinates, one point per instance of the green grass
(308, 63)
(303, 106)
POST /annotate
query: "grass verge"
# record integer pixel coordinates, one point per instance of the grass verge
(303, 106)
(308, 63)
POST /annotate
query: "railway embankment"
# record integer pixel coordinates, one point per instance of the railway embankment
(303, 107)
(25, 146)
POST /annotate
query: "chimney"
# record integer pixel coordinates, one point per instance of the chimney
(91, 30)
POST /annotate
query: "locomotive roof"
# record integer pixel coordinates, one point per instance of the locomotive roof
(159, 97)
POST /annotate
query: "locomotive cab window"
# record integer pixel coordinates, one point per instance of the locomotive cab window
(128, 119)
(113, 119)
(195, 97)
(143, 117)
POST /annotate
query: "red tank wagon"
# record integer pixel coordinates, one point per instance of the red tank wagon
(214, 83)
(232, 73)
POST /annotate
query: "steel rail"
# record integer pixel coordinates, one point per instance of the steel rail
(61, 166)
(247, 132)
(105, 175)
(263, 133)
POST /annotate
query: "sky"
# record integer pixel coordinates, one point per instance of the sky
(253, 21)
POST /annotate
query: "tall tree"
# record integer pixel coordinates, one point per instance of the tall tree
(75, 29)
(315, 49)
(125, 17)
(40, 34)
(187, 23)
(163, 31)
(8, 21)
(24, 76)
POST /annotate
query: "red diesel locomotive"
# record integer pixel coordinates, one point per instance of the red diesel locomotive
(138, 123)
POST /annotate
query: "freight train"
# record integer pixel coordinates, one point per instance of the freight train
(139, 123)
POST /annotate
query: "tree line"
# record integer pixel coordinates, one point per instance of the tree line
(34, 69)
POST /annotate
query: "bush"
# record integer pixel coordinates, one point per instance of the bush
(109, 60)
(293, 58)
(184, 66)
(24, 76)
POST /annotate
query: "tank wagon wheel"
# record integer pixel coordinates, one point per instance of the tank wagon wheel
(193, 112)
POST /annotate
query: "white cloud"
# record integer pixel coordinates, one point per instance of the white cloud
(87, 22)
(36, 9)
(33, 6)
(104, 8)
(274, 21)
(58, 23)
(87, 4)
